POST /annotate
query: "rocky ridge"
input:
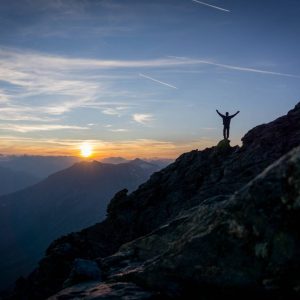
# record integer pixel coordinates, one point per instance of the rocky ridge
(205, 224)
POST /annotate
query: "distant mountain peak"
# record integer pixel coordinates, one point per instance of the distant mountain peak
(114, 160)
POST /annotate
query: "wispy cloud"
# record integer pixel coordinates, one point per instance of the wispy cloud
(60, 84)
(212, 6)
(40, 73)
(39, 127)
(70, 83)
(45, 62)
(158, 81)
(110, 111)
(12, 112)
(119, 130)
(143, 118)
(4, 96)
(116, 111)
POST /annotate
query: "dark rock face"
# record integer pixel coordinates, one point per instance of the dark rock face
(187, 230)
(250, 242)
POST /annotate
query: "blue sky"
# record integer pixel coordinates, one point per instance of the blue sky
(142, 78)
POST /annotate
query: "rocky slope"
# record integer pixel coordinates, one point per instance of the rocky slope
(242, 247)
(188, 230)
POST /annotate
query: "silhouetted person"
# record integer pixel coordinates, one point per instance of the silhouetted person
(226, 123)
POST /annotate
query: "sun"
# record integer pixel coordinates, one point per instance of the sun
(86, 150)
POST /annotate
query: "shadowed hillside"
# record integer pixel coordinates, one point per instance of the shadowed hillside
(64, 202)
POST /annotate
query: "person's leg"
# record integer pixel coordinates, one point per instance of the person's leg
(224, 132)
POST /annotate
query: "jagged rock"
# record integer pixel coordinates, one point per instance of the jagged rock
(182, 211)
(83, 270)
(118, 198)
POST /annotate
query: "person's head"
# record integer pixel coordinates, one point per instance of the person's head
(227, 113)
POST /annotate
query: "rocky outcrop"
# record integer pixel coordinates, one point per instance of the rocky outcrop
(186, 229)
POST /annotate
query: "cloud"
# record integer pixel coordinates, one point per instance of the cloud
(43, 62)
(142, 118)
(65, 93)
(32, 73)
(4, 96)
(12, 112)
(119, 130)
(41, 87)
(38, 127)
(114, 111)
(110, 111)
(155, 80)
(213, 6)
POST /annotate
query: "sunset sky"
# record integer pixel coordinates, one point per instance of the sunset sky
(141, 78)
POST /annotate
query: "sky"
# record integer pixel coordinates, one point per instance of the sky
(141, 78)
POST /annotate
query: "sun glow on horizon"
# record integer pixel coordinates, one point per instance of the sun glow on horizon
(86, 150)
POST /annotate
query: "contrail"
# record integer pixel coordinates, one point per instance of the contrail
(233, 67)
(216, 7)
(161, 82)
(246, 69)
(253, 70)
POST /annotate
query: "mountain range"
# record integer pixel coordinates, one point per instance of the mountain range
(221, 222)
(19, 172)
(66, 201)
(161, 162)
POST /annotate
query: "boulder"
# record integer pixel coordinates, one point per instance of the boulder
(83, 270)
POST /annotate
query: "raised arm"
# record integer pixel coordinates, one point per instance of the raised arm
(235, 114)
(219, 113)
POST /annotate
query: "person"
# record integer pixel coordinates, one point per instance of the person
(226, 122)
